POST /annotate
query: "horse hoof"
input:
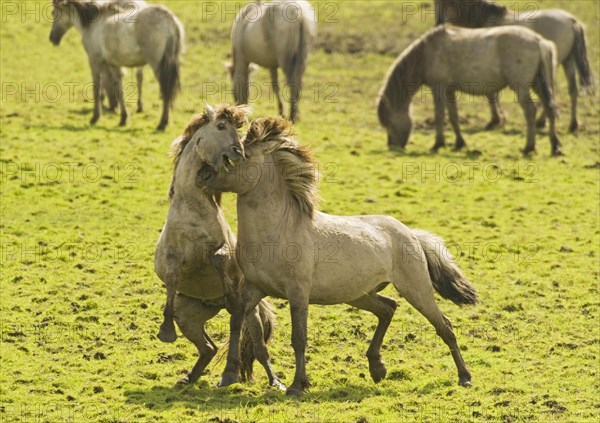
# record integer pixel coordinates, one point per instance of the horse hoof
(528, 152)
(228, 379)
(294, 392)
(378, 372)
(161, 127)
(278, 385)
(122, 123)
(185, 381)
(492, 125)
(557, 153)
(466, 383)
(94, 120)
(167, 335)
(140, 109)
(573, 127)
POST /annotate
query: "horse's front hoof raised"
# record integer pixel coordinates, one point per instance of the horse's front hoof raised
(166, 334)
(228, 379)
(378, 372)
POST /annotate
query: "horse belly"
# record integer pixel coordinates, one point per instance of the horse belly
(257, 48)
(121, 47)
(202, 282)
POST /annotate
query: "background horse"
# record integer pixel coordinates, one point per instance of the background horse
(477, 61)
(113, 38)
(556, 25)
(277, 208)
(273, 35)
(195, 252)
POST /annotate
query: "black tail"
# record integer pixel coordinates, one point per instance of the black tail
(267, 319)
(168, 68)
(447, 278)
(544, 79)
(586, 78)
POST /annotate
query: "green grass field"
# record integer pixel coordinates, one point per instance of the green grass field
(82, 209)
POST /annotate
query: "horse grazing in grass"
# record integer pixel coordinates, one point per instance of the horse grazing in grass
(195, 252)
(114, 38)
(476, 61)
(274, 35)
(556, 25)
(276, 203)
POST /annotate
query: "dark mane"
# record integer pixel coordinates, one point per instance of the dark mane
(236, 115)
(405, 76)
(88, 11)
(294, 161)
(469, 13)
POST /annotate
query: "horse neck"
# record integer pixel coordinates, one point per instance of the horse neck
(267, 211)
(185, 185)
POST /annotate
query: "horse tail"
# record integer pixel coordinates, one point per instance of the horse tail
(168, 68)
(586, 78)
(448, 280)
(300, 42)
(267, 318)
(544, 78)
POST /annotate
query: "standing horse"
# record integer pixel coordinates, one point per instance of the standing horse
(274, 35)
(556, 25)
(194, 256)
(276, 203)
(114, 38)
(476, 61)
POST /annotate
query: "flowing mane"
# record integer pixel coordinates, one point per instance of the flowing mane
(236, 115)
(405, 76)
(89, 11)
(293, 160)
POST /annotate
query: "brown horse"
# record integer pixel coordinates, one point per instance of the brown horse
(556, 25)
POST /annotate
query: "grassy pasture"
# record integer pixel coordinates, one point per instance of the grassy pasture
(81, 210)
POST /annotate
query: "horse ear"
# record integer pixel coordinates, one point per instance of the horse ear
(209, 112)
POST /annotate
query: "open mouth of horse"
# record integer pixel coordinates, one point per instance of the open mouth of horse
(205, 173)
(228, 164)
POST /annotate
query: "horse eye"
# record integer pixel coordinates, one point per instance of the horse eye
(220, 126)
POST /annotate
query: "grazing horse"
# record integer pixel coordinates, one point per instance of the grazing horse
(556, 25)
(195, 252)
(114, 38)
(276, 204)
(274, 35)
(476, 61)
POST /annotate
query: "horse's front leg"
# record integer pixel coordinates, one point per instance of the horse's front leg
(97, 89)
(497, 117)
(529, 111)
(167, 332)
(140, 78)
(231, 280)
(439, 104)
(299, 311)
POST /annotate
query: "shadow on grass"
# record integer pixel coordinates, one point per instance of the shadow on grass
(87, 128)
(211, 399)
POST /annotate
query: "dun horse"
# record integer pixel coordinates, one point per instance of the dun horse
(277, 207)
(195, 252)
(476, 61)
(114, 38)
(274, 35)
(556, 25)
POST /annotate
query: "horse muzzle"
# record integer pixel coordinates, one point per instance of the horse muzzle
(232, 158)
(56, 36)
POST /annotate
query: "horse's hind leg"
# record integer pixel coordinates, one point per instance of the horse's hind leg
(140, 78)
(167, 332)
(276, 91)
(439, 105)
(497, 117)
(294, 82)
(529, 111)
(571, 74)
(97, 88)
(191, 315)
(117, 79)
(453, 114)
(383, 308)
(424, 302)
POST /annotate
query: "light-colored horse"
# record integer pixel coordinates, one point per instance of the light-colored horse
(114, 38)
(476, 61)
(274, 35)
(314, 258)
(556, 25)
(195, 252)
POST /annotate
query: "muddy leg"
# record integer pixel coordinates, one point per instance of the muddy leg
(383, 308)
(191, 315)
